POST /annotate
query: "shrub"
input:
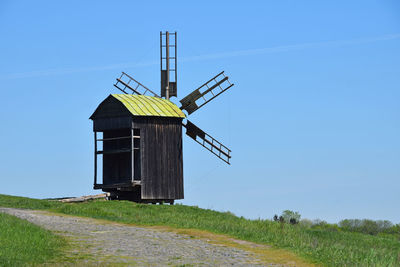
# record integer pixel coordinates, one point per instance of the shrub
(366, 226)
(291, 216)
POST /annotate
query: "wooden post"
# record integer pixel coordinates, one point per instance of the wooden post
(161, 62)
(95, 158)
(176, 65)
(167, 64)
(132, 156)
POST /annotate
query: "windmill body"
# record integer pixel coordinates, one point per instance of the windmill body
(138, 134)
(141, 147)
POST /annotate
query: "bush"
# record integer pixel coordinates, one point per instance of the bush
(291, 216)
(366, 226)
(395, 229)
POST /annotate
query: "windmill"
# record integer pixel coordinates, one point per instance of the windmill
(142, 132)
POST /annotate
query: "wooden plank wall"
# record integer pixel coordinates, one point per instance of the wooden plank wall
(104, 124)
(162, 164)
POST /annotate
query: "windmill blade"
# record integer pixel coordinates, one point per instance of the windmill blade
(207, 141)
(205, 93)
(127, 82)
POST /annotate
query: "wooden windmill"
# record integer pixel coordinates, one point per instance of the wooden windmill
(141, 142)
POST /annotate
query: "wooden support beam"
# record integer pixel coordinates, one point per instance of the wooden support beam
(116, 151)
(132, 157)
(95, 157)
(85, 198)
(117, 185)
(117, 138)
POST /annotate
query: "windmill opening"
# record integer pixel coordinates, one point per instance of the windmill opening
(121, 156)
(116, 156)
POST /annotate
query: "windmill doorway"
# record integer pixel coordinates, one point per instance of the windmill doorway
(121, 156)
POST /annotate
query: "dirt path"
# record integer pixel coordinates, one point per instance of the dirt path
(103, 243)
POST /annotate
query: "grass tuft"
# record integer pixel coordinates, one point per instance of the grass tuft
(23, 243)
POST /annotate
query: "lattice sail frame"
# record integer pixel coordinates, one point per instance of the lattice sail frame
(127, 82)
(206, 92)
(208, 142)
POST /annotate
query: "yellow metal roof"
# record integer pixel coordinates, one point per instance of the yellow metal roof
(143, 105)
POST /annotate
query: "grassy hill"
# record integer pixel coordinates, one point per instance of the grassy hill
(328, 247)
(24, 243)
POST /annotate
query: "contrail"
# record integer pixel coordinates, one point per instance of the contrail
(286, 48)
(230, 54)
(74, 70)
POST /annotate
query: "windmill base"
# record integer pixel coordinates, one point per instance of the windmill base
(134, 195)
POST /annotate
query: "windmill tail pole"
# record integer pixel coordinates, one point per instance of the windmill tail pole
(167, 63)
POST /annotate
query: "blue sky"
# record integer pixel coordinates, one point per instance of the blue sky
(313, 120)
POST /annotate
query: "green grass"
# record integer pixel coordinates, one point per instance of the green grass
(326, 247)
(23, 243)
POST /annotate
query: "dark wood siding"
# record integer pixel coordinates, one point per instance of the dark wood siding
(105, 124)
(110, 107)
(161, 157)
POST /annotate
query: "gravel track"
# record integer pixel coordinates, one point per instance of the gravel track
(106, 244)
